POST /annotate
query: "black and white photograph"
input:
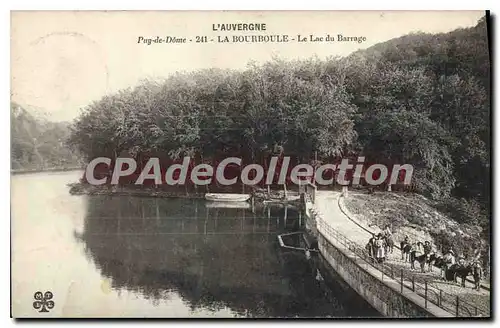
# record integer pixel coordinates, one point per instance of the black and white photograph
(251, 164)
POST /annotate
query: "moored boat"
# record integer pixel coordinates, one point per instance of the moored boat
(227, 197)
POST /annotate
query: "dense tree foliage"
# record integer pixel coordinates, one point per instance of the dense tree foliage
(424, 99)
(37, 144)
(421, 99)
(294, 105)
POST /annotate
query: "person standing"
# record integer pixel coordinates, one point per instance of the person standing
(477, 273)
(448, 261)
(427, 247)
(388, 239)
(370, 246)
(405, 248)
(427, 253)
(416, 251)
(380, 248)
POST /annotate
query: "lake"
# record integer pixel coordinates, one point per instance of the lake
(120, 256)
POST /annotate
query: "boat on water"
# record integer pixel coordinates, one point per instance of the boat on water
(227, 197)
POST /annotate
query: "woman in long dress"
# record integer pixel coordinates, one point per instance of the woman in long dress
(380, 248)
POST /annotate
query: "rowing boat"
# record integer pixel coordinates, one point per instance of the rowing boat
(227, 197)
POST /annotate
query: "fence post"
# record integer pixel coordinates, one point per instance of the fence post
(456, 312)
(475, 311)
(440, 297)
(426, 294)
(413, 283)
(402, 281)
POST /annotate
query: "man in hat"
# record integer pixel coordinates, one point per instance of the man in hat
(427, 253)
(448, 261)
(427, 247)
(405, 248)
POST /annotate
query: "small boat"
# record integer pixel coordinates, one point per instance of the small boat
(228, 197)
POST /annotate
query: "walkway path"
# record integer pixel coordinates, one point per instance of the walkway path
(326, 204)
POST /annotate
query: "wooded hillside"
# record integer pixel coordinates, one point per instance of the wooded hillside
(37, 144)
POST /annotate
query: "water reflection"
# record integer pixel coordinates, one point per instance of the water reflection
(213, 257)
(144, 257)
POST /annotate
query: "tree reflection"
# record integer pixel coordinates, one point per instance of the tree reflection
(211, 257)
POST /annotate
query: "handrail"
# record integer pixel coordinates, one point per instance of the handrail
(311, 196)
(452, 303)
(371, 232)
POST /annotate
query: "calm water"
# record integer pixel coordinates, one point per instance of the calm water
(141, 257)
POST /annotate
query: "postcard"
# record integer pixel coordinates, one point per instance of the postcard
(250, 164)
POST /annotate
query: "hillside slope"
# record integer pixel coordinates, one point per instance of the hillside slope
(420, 219)
(37, 144)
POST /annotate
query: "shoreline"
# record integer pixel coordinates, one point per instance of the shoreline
(79, 188)
(52, 169)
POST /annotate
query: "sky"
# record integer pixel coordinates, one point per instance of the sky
(62, 61)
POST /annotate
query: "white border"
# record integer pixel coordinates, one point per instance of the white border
(191, 5)
(249, 5)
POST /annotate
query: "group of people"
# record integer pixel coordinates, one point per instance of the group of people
(451, 267)
(417, 252)
(379, 245)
